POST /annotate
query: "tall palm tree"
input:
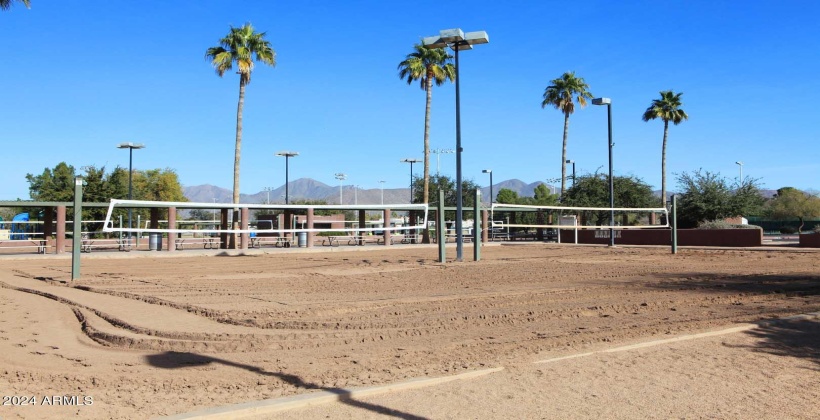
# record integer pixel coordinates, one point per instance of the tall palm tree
(6, 4)
(564, 92)
(242, 46)
(668, 109)
(427, 66)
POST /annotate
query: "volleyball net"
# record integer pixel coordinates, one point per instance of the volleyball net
(418, 219)
(563, 217)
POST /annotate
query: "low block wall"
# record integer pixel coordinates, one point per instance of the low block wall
(686, 237)
(810, 240)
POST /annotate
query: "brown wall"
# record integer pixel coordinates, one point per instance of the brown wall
(686, 237)
(810, 240)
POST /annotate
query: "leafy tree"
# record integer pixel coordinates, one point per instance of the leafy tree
(667, 108)
(507, 196)
(593, 191)
(428, 66)
(564, 92)
(158, 185)
(118, 183)
(57, 184)
(791, 203)
(448, 185)
(6, 4)
(96, 189)
(200, 214)
(543, 197)
(708, 196)
(242, 46)
(53, 184)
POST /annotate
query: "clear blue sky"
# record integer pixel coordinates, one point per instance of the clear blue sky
(80, 77)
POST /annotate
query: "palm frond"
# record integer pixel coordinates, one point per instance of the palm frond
(423, 64)
(565, 91)
(242, 46)
(667, 108)
(6, 4)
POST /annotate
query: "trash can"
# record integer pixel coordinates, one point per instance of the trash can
(155, 242)
(302, 239)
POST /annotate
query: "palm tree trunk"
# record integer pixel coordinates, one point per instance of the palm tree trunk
(663, 163)
(425, 238)
(427, 138)
(564, 155)
(236, 158)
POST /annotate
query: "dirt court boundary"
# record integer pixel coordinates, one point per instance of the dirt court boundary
(257, 408)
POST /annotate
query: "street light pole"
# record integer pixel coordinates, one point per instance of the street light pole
(438, 153)
(287, 154)
(341, 177)
(457, 40)
(608, 103)
(573, 170)
(381, 184)
(130, 146)
(411, 162)
(492, 197)
(740, 164)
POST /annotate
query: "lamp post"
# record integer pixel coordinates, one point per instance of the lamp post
(740, 164)
(573, 170)
(552, 182)
(341, 177)
(267, 190)
(130, 146)
(608, 103)
(411, 162)
(457, 40)
(381, 184)
(438, 153)
(287, 155)
(492, 197)
(356, 195)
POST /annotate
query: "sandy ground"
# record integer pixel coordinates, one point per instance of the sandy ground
(143, 337)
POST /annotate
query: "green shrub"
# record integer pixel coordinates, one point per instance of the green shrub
(722, 224)
(333, 233)
(788, 230)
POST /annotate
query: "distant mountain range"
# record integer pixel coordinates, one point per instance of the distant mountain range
(310, 189)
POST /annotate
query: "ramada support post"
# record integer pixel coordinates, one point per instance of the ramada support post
(386, 231)
(310, 235)
(362, 225)
(223, 224)
(172, 224)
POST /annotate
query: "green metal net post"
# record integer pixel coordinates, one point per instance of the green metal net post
(477, 226)
(441, 228)
(76, 244)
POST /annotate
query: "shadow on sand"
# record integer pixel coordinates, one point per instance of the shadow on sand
(788, 284)
(795, 338)
(175, 360)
